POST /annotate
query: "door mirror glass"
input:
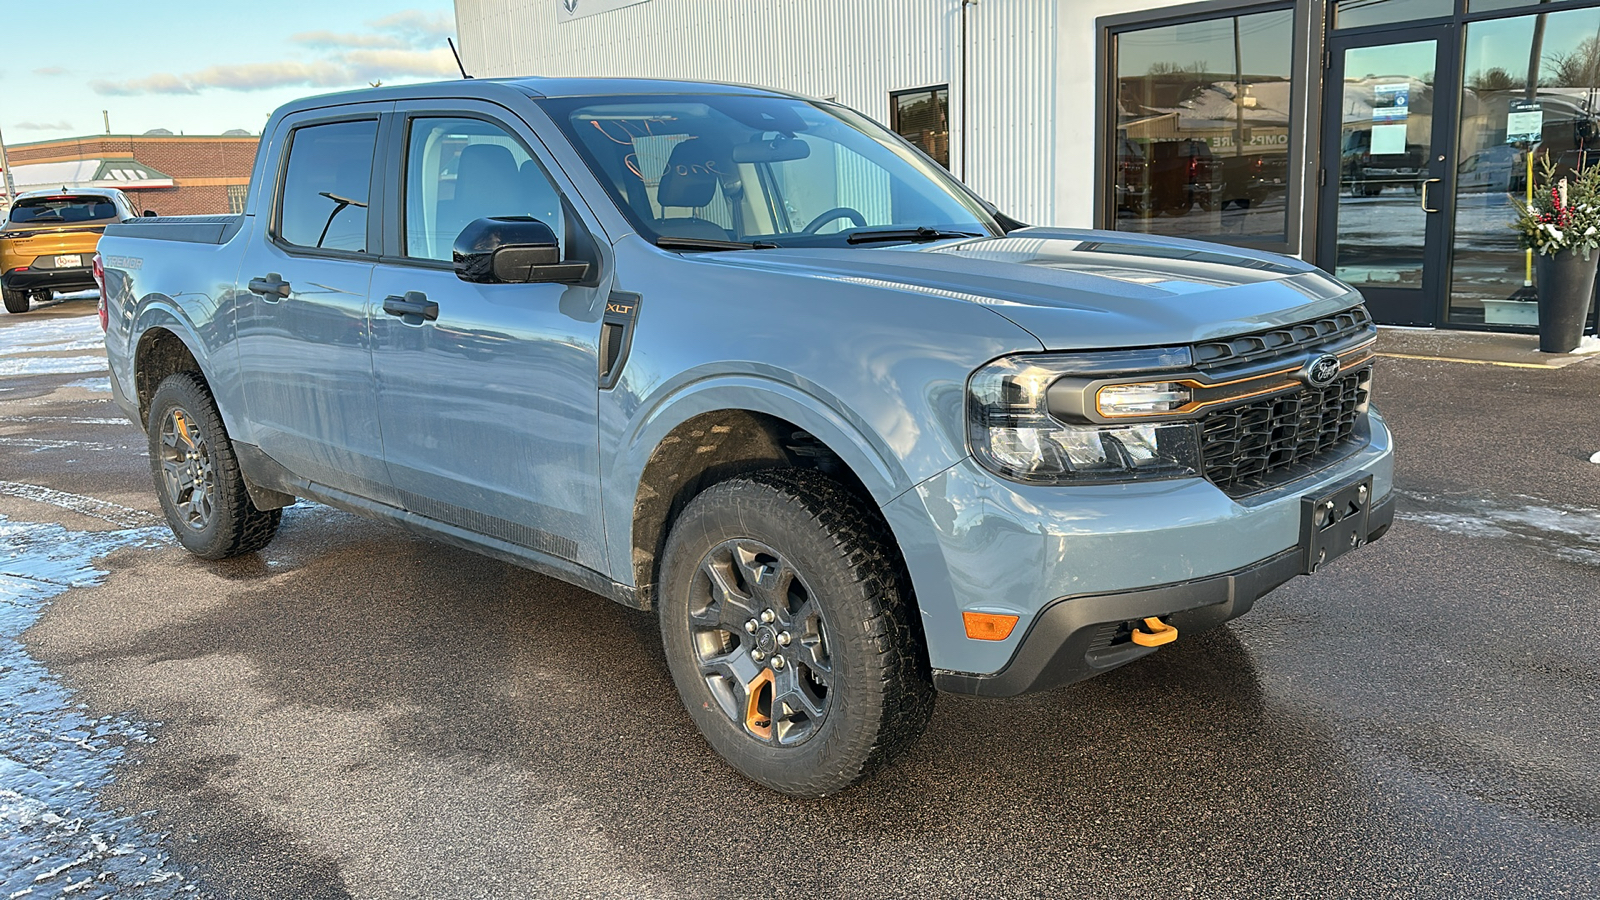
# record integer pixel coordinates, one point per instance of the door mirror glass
(512, 250)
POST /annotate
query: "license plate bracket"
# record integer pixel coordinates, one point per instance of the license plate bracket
(1334, 522)
(69, 261)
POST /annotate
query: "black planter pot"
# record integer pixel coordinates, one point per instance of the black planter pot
(1566, 285)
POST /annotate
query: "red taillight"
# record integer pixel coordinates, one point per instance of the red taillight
(1194, 166)
(100, 282)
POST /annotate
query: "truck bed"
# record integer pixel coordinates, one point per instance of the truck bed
(185, 229)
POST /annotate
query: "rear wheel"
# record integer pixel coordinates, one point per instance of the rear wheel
(197, 476)
(16, 301)
(789, 634)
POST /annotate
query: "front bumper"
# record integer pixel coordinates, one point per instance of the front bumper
(1074, 638)
(76, 279)
(973, 542)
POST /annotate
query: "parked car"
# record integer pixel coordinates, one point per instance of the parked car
(1183, 174)
(1365, 174)
(1133, 180)
(930, 450)
(48, 242)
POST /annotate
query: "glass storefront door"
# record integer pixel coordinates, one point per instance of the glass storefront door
(1387, 181)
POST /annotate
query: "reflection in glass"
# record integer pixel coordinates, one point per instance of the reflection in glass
(1356, 13)
(1203, 124)
(1543, 69)
(1385, 137)
(923, 118)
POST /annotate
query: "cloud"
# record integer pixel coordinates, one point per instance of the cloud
(324, 39)
(417, 25)
(407, 44)
(52, 71)
(45, 126)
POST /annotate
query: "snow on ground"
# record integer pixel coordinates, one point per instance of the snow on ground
(23, 343)
(1590, 344)
(1570, 532)
(55, 836)
(51, 336)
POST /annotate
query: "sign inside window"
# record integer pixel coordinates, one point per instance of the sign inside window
(1524, 122)
(1391, 102)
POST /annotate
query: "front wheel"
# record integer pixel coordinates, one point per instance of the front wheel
(197, 476)
(789, 634)
(16, 301)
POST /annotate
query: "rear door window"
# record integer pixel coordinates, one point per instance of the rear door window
(62, 210)
(323, 201)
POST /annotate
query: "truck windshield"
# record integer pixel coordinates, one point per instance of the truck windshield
(762, 170)
(56, 210)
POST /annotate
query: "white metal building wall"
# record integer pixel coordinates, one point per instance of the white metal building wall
(1030, 69)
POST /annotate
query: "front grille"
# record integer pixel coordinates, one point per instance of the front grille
(1298, 338)
(1258, 445)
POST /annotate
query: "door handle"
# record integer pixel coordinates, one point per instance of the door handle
(414, 303)
(1424, 199)
(273, 288)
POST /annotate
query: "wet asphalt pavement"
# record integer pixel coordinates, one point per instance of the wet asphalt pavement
(358, 712)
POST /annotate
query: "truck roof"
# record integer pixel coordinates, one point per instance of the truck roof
(530, 86)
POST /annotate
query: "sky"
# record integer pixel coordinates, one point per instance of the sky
(203, 68)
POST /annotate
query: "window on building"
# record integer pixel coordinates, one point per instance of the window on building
(324, 199)
(236, 195)
(922, 117)
(461, 170)
(1203, 114)
(1356, 13)
(1527, 98)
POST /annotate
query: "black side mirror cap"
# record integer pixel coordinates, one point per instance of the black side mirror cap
(513, 250)
(149, 214)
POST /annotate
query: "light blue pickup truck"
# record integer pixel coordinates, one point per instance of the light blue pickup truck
(752, 362)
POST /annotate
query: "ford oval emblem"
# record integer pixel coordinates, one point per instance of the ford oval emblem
(1320, 371)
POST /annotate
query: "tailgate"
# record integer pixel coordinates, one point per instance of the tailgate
(48, 243)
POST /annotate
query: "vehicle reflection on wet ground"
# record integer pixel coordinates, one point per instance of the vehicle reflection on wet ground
(359, 712)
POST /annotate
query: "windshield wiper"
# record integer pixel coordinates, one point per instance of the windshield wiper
(920, 233)
(668, 242)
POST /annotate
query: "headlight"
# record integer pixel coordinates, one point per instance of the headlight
(1012, 432)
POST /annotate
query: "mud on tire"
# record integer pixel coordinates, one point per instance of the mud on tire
(788, 629)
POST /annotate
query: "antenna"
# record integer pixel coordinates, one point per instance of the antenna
(457, 55)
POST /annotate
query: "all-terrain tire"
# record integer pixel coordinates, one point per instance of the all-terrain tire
(16, 301)
(224, 523)
(879, 695)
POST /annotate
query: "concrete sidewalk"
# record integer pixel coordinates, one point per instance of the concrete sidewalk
(1514, 350)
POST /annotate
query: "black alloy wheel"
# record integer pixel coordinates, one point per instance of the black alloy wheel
(760, 643)
(186, 470)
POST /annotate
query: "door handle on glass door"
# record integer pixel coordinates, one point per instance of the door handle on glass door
(1425, 183)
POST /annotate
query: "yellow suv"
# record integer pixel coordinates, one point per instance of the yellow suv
(48, 242)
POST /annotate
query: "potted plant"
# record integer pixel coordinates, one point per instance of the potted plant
(1562, 224)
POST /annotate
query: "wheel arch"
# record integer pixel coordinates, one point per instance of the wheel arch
(715, 434)
(159, 353)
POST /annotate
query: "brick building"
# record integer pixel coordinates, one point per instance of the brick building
(171, 174)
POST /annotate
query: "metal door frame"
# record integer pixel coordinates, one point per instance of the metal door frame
(1440, 195)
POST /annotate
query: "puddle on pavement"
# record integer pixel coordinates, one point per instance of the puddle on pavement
(56, 838)
(1569, 532)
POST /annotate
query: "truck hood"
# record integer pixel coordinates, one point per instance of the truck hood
(1084, 289)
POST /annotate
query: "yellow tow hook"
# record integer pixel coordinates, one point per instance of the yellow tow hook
(1160, 633)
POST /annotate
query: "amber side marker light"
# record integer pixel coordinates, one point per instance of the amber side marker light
(988, 626)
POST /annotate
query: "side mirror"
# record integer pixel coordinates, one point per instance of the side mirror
(149, 214)
(513, 250)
